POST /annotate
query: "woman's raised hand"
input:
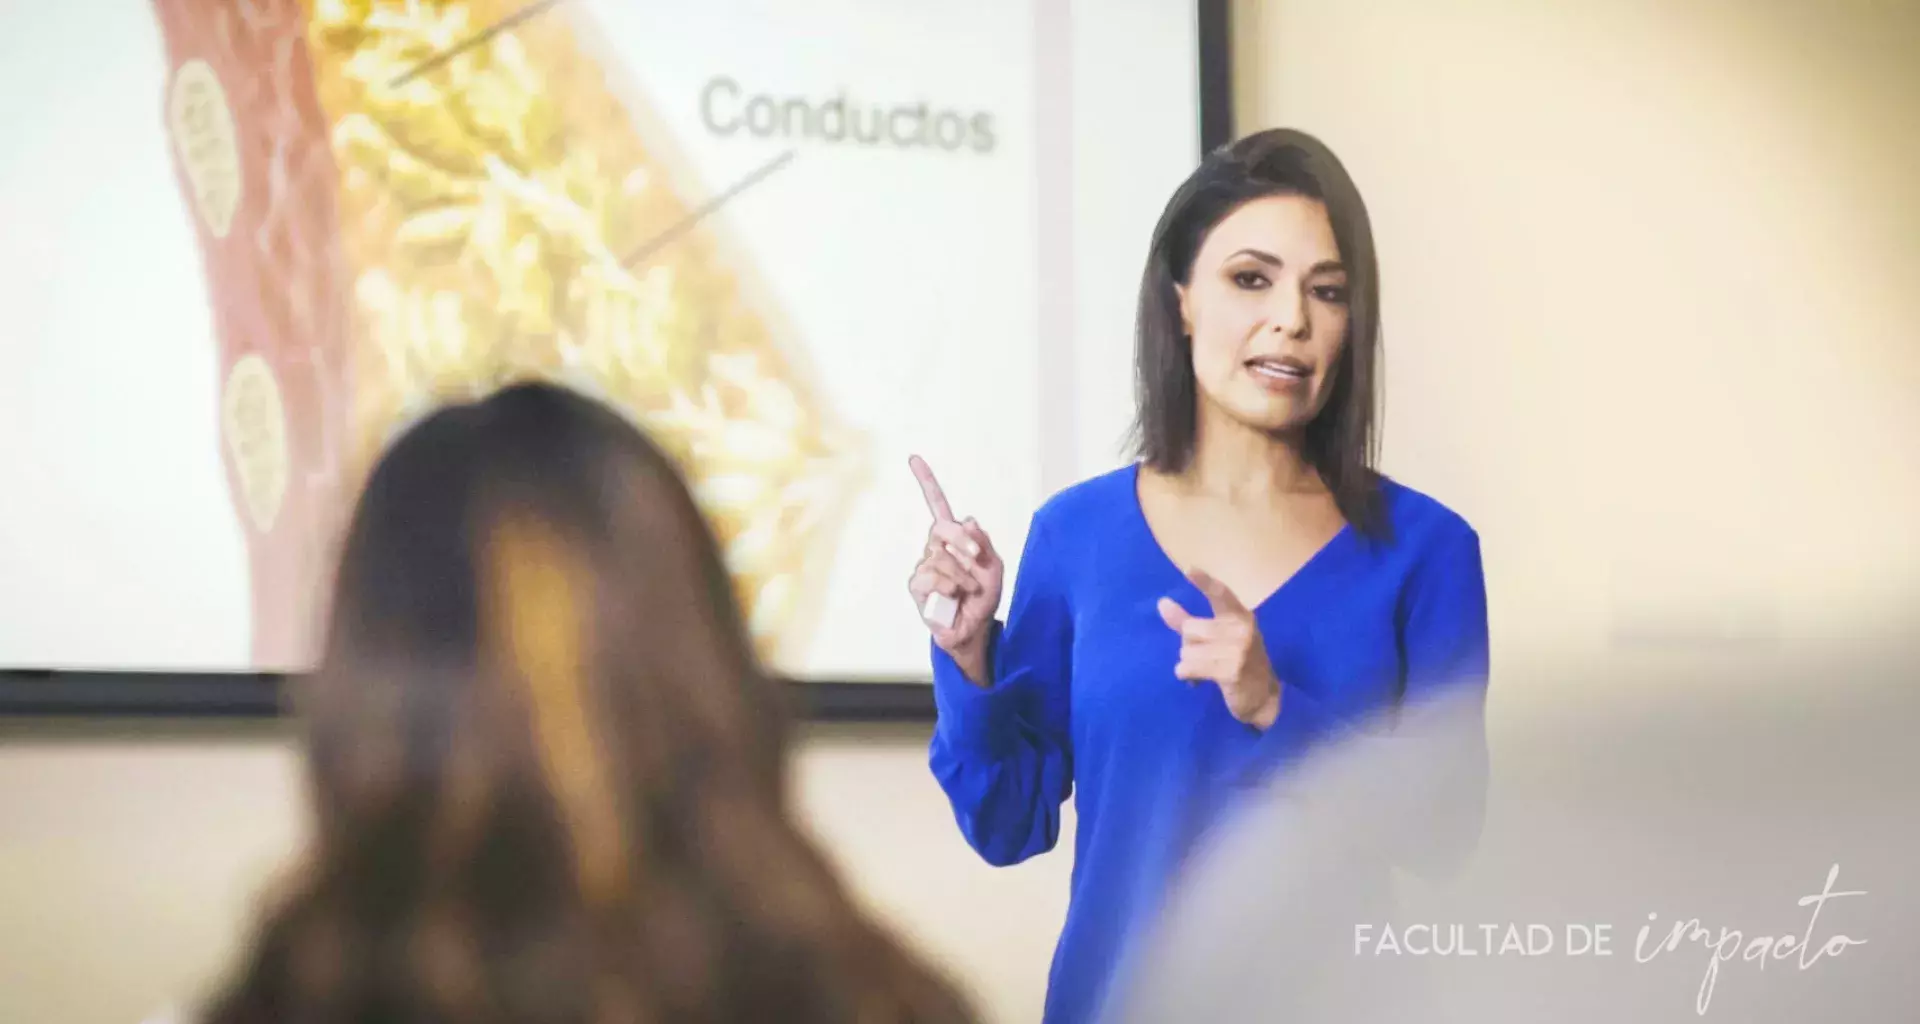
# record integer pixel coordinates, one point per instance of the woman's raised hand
(956, 584)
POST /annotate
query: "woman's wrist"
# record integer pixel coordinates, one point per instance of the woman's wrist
(1268, 711)
(972, 660)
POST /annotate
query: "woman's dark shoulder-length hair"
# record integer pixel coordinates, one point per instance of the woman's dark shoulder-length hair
(548, 775)
(1341, 442)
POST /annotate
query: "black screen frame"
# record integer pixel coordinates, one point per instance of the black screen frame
(56, 693)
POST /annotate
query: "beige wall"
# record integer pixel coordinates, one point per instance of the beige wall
(1650, 311)
(1650, 326)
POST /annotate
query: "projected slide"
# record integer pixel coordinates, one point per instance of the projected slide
(794, 242)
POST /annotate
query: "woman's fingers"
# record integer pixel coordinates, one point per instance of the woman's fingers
(983, 569)
(1218, 594)
(951, 571)
(1207, 647)
(930, 580)
(950, 625)
(936, 498)
(956, 537)
(1200, 666)
(979, 535)
(947, 565)
(1193, 629)
(960, 564)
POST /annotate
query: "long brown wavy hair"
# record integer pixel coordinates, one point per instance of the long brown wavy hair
(547, 773)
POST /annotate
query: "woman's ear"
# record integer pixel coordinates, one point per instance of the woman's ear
(1186, 317)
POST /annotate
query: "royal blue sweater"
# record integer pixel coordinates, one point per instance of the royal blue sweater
(1084, 701)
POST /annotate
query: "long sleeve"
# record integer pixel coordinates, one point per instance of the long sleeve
(1432, 740)
(1445, 647)
(1002, 752)
(1084, 702)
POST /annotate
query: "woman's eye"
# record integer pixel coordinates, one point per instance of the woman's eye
(1250, 279)
(1331, 293)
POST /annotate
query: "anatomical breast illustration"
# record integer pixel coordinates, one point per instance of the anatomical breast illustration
(384, 227)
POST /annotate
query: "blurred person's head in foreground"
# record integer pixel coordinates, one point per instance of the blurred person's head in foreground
(1727, 837)
(548, 775)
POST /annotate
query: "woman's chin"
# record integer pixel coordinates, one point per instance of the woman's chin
(1275, 415)
(1262, 410)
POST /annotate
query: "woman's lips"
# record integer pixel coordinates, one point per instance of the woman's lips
(1279, 374)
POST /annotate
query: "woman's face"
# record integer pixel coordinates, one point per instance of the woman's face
(1266, 307)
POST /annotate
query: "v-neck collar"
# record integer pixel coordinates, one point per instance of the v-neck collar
(1139, 510)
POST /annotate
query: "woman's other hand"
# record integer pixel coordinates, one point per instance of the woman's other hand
(1227, 649)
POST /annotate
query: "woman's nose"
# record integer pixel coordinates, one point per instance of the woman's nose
(1288, 313)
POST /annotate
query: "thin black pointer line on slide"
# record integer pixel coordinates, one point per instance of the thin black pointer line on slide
(700, 213)
(504, 24)
(659, 241)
